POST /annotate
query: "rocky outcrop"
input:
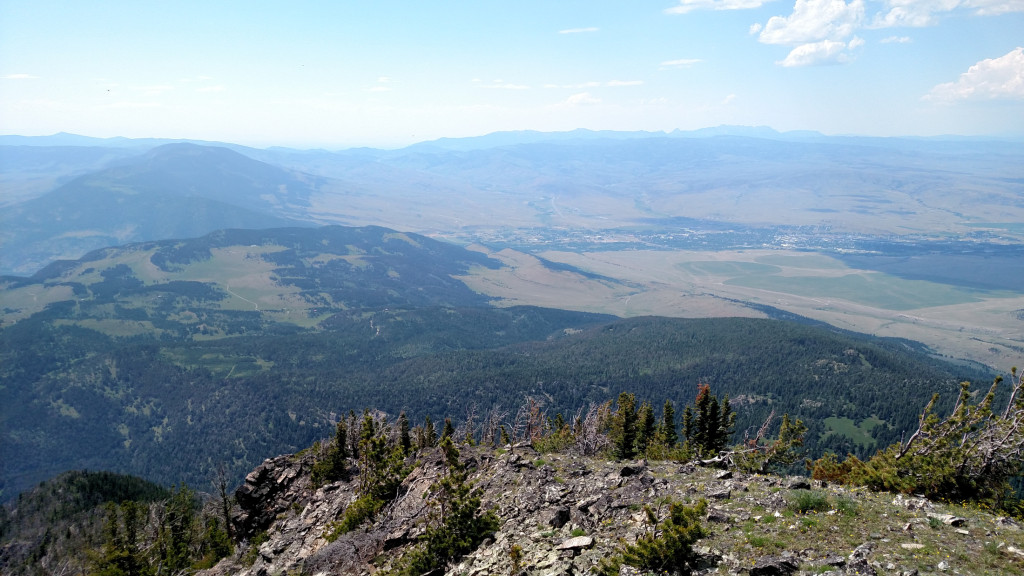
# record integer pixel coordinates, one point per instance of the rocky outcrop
(563, 514)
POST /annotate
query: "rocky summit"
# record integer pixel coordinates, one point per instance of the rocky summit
(561, 514)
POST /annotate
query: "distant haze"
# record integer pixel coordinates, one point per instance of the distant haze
(389, 74)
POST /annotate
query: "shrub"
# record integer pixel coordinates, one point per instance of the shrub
(668, 547)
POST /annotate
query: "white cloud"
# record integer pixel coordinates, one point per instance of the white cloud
(815, 54)
(818, 31)
(896, 40)
(912, 13)
(918, 13)
(992, 79)
(686, 6)
(592, 84)
(989, 7)
(681, 63)
(813, 21)
(218, 88)
(582, 99)
(728, 99)
(19, 77)
(578, 30)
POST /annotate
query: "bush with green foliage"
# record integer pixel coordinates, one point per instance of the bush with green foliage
(971, 454)
(668, 545)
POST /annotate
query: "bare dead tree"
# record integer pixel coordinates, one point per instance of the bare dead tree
(467, 429)
(592, 436)
(492, 425)
(761, 432)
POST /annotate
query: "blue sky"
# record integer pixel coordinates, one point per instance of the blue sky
(386, 74)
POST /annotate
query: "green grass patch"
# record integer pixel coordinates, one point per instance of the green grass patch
(804, 501)
(860, 434)
(869, 288)
(726, 268)
(806, 261)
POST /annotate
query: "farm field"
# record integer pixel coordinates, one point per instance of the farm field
(956, 322)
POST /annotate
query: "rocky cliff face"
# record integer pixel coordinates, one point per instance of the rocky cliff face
(565, 513)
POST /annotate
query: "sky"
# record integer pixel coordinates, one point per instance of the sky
(340, 74)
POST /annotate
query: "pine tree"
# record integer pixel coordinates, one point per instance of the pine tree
(726, 425)
(645, 433)
(403, 434)
(667, 430)
(429, 434)
(174, 537)
(624, 426)
(688, 429)
(708, 431)
(448, 429)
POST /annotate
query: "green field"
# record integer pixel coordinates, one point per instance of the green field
(869, 288)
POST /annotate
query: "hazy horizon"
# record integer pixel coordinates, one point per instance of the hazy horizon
(390, 74)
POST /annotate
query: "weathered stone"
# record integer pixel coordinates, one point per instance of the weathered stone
(558, 517)
(773, 566)
(858, 560)
(578, 542)
(723, 475)
(834, 561)
(949, 519)
(799, 484)
(631, 470)
(715, 515)
(720, 494)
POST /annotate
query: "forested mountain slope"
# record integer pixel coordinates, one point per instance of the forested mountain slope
(142, 370)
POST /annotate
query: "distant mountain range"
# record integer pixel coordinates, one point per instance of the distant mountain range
(71, 194)
(172, 191)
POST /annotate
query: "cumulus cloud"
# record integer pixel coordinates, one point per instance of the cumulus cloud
(896, 40)
(578, 30)
(992, 79)
(691, 5)
(818, 30)
(814, 21)
(815, 54)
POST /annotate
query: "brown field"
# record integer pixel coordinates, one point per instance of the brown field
(955, 322)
